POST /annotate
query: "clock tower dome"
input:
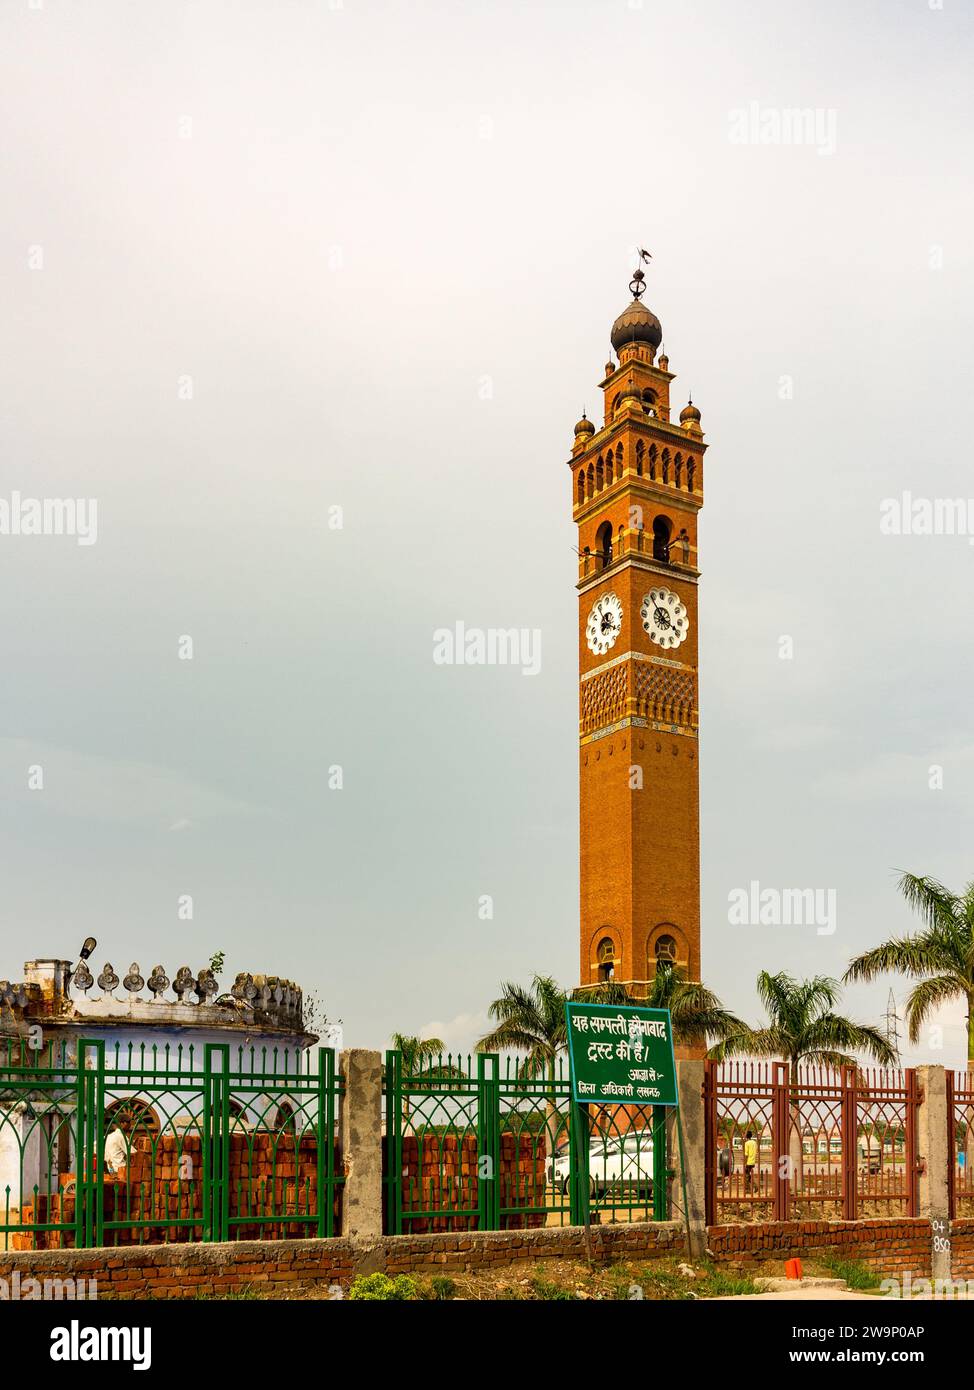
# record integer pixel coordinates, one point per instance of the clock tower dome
(637, 488)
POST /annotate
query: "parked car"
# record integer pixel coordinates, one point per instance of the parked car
(625, 1163)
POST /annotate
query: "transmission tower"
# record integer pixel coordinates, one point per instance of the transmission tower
(893, 1025)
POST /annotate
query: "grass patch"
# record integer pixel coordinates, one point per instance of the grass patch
(855, 1274)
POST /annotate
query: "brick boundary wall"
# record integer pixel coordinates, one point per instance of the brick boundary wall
(185, 1271)
(892, 1246)
(962, 1249)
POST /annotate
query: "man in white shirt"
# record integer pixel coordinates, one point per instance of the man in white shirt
(116, 1150)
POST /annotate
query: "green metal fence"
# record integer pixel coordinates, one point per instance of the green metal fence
(490, 1143)
(140, 1145)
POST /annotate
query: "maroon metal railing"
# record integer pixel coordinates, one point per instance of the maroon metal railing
(960, 1142)
(829, 1143)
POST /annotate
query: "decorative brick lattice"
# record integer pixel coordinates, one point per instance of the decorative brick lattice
(665, 693)
(603, 699)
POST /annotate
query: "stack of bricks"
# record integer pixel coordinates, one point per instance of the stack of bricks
(58, 1209)
(158, 1198)
(447, 1180)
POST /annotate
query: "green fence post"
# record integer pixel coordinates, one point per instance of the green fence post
(579, 1186)
(90, 1184)
(393, 1173)
(660, 1212)
(80, 1152)
(488, 1141)
(326, 1142)
(216, 1143)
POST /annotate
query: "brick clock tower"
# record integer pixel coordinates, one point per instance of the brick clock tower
(637, 486)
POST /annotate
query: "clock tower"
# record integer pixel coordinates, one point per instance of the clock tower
(637, 488)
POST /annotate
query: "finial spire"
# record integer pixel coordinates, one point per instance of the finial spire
(638, 282)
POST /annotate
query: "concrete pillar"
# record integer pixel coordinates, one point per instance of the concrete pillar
(689, 1072)
(933, 1155)
(360, 1134)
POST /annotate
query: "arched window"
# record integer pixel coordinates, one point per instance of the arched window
(581, 486)
(237, 1115)
(661, 539)
(652, 462)
(614, 407)
(608, 468)
(603, 544)
(664, 950)
(589, 481)
(135, 1118)
(599, 474)
(691, 470)
(649, 400)
(605, 956)
(666, 465)
(678, 469)
(640, 451)
(284, 1119)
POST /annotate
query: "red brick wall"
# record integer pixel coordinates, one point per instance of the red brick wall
(186, 1271)
(962, 1249)
(893, 1245)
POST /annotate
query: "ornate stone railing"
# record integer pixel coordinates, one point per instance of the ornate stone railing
(258, 998)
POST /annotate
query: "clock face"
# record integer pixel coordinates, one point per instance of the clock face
(604, 624)
(665, 618)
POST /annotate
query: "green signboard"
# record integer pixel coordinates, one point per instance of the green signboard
(620, 1054)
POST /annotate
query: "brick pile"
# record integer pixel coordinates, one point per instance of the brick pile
(447, 1179)
(269, 1176)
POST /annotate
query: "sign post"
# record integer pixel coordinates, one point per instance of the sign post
(622, 1054)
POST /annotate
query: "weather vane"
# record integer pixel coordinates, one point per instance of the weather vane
(638, 282)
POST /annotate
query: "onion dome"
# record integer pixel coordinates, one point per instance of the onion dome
(690, 418)
(630, 392)
(636, 324)
(584, 427)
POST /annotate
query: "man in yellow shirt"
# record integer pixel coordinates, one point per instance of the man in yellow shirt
(750, 1159)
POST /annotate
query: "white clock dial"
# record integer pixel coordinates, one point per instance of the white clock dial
(665, 618)
(604, 624)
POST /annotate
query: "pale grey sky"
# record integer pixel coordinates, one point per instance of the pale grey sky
(386, 242)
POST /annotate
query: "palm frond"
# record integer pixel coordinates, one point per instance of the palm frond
(928, 996)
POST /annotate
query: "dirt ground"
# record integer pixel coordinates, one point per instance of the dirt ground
(572, 1280)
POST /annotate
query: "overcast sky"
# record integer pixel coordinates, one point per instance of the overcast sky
(262, 259)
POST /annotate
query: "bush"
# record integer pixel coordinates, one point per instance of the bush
(441, 1287)
(381, 1287)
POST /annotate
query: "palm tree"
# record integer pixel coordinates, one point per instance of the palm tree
(940, 958)
(804, 1027)
(532, 1021)
(418, 1056)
